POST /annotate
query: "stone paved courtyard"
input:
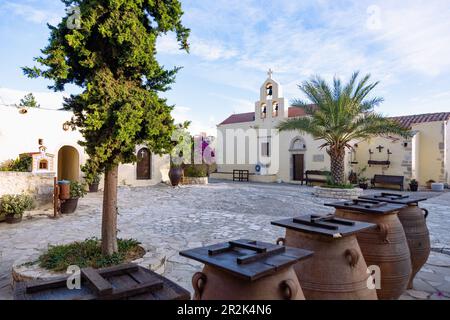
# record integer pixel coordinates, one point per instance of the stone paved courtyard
(191, 216)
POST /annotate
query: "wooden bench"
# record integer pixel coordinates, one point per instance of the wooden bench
(316, 176)
(388, 180)
(241, 175)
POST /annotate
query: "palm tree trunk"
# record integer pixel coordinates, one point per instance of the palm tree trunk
(338, 166)
(109, 218)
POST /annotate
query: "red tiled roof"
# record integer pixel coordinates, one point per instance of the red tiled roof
(405, 121)
(408, 121)
(296, 112)
(240, 117)
(250, 116)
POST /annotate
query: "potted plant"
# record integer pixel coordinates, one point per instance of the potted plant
(175, 174)
(413, 185)
(93, 185)
(429, 183)
(363, 183)
(77, 191)
(12, 207)
(195, 174)
(91, 178)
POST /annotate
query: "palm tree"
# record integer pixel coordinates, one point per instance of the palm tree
(339, 114)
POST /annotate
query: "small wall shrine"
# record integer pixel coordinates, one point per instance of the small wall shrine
(41, 161)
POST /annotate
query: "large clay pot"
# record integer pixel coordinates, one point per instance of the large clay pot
(414, 224)
(337, 271)
(175, 176)
(69, 206)
(385, 247)
(413, 219)
(215, 284)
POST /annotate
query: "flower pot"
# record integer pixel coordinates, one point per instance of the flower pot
(437, 187)
(11, 219)
(69, 206)
(93, 187)
(175, 176)
(64, 190)
(413, 187)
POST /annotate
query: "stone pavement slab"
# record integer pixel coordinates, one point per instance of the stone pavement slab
(175, 219)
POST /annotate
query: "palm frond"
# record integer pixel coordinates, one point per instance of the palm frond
(300, 124)
(341, 113)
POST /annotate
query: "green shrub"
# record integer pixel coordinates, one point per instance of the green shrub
(196, 171)
(7, 165)
(89, 176)
(330, 183)
(77, 190)
(88, 253)
(15, 204)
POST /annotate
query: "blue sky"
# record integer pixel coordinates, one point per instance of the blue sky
(403, 44)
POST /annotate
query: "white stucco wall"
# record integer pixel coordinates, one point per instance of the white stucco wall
(401, 158)
(160, 172)
(447, 151)
(19, 133)
(264, 129)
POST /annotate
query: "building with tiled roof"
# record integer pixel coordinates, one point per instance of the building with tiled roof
(250, 116)
(409, 121)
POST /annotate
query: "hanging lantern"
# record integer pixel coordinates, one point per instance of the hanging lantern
(66, 126)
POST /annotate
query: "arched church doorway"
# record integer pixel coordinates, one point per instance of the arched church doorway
(297, 149)
(68, 164)
(144, 164)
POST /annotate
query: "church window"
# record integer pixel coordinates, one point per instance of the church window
(43, 165)
(265, 149)
(298, 144)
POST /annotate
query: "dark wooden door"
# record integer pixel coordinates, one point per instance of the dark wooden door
(298, 167)
(144, 164)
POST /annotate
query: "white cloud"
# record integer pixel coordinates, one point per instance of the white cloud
(47, 100)
(168, 44)
(209, 51)
(182, 114)
(237, 105)
(298, 39)
(416, 35)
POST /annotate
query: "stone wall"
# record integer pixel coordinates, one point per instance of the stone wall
(333, 193)
(39, 185)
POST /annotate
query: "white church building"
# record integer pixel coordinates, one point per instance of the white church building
(250, 141)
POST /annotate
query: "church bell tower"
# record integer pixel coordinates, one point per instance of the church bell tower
(271, 104)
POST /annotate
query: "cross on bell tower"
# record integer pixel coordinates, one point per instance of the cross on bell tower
(270, 73)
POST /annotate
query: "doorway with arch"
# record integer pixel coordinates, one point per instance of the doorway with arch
(68, 164)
